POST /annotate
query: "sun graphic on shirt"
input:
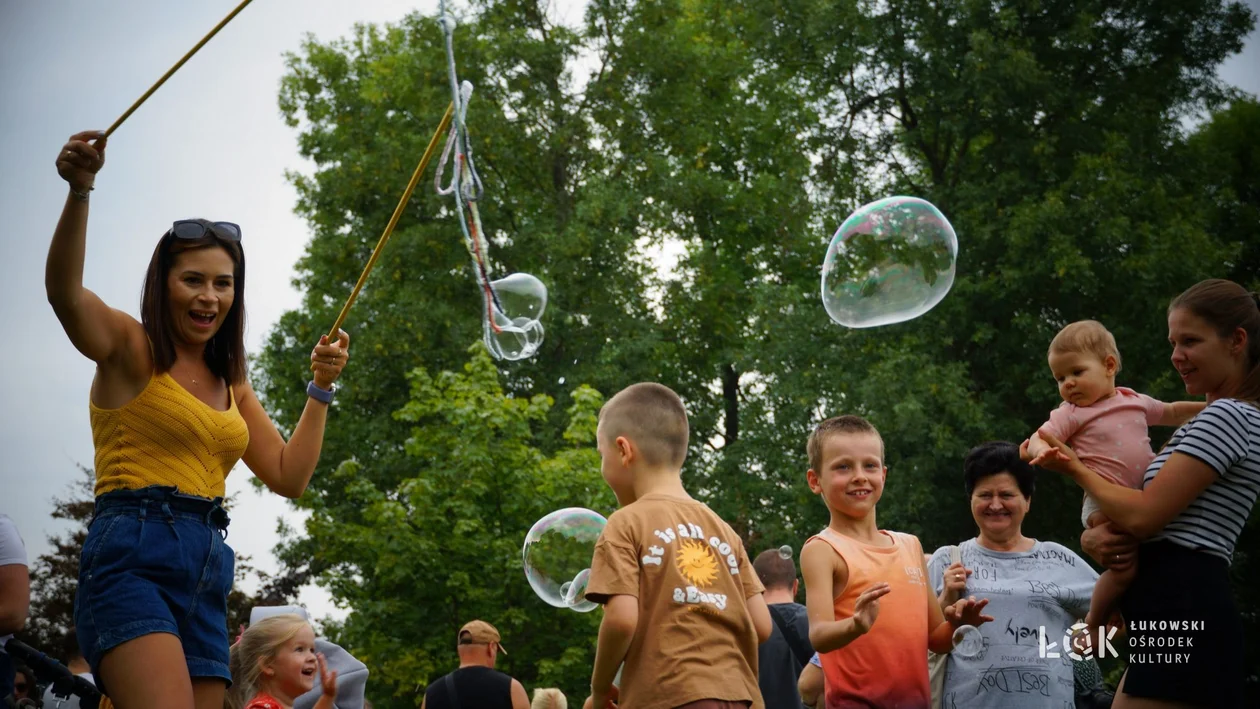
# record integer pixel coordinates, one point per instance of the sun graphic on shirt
(696, 563)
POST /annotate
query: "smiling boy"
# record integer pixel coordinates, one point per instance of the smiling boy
(871, 656)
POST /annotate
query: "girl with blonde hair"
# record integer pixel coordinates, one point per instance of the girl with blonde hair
(274, 662)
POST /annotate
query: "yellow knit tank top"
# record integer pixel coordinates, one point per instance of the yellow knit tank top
(167, 436)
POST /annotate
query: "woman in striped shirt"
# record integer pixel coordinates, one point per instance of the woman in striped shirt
(1185, 635)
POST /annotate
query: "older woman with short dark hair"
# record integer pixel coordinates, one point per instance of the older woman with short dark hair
(1035, 590)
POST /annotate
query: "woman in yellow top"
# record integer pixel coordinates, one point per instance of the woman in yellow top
(172, 412)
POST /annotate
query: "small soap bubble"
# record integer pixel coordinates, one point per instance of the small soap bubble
(890, 261)
(575, 593)
(785, 552)
(968, 642)
(516, 332)
(557, 556)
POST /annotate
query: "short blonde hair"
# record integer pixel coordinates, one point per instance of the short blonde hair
(833, 426)
(1086, 337)
(549, 699)
(258, 644)
(652, 416)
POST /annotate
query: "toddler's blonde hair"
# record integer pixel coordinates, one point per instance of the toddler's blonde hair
(1086, 337)
(259, 643)
(549, 699)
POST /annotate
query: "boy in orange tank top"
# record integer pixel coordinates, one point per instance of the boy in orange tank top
(682, 604)
(872, 613)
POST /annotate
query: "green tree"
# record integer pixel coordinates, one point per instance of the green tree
(418, 557)
(55, 574)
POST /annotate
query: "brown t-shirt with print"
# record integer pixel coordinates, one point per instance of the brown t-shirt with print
(695, 638)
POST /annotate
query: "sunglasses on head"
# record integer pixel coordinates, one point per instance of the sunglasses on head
(197, 228)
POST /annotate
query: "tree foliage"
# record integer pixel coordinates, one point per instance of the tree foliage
(55, 574)
(441, 545)
(672, 169)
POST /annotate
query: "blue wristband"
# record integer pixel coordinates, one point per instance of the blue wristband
(324, 396)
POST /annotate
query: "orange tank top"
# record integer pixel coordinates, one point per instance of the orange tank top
(167, 436)
(887, 667)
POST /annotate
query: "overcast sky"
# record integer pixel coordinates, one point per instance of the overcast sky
(209, 143)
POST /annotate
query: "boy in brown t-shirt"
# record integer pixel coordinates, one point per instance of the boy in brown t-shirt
(682, 604)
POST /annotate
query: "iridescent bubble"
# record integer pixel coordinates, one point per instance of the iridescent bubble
(557, 556)
(512, 329)
(785, 552)
(968, 642)
(890, 261)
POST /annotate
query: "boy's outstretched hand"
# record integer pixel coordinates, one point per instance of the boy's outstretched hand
(967, 611)
(866, 609)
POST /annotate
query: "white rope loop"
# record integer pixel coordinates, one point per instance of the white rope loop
(465, 184)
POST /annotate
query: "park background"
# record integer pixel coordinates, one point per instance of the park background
(673, 170)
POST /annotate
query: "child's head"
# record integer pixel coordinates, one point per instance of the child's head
(277, 655)
(846, 465)
(1084, 361)
(643, 428)
(549, 699)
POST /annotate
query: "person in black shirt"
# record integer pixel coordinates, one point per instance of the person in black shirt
(781, 658)
(476, 684)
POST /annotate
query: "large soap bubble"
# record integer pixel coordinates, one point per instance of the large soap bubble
(557, 556)
(890, 261)
(513, 329)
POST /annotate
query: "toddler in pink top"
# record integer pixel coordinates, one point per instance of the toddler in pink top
(1107, 427)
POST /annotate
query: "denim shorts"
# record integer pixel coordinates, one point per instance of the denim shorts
(155, 561)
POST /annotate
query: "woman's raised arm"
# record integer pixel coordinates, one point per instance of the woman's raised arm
(95, 329)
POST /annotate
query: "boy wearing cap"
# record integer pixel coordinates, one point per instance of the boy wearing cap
(476, 684)
(682, 605)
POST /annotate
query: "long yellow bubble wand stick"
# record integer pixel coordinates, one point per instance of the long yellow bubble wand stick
(393, 221)
(175, 68)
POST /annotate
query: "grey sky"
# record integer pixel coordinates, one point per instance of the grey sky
(209, 143)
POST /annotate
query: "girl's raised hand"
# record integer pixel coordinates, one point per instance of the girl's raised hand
(79, 161)
(327, 677)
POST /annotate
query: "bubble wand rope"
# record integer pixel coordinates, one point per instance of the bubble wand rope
(389, 228)
(465, 185)
(175, 68)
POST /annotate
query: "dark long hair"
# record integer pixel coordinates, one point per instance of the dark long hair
(1227, 306)
(225, 352)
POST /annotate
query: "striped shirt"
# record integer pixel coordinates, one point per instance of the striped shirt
(1226, 437)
